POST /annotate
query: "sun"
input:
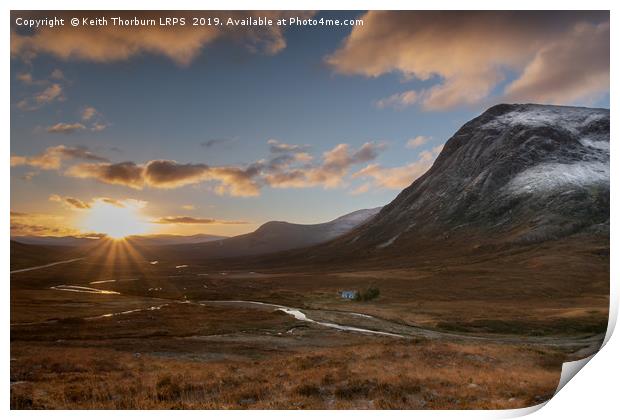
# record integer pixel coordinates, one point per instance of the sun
(115, 220)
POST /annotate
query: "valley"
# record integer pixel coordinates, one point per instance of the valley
(181, 318)
(468, 290)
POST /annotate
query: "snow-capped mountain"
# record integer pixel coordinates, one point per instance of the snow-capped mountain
(515, 174)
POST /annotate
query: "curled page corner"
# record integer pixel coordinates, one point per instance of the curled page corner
(520, 412)
(570, 369)
(613, 316)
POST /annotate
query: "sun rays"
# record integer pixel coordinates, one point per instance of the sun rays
(116, 221)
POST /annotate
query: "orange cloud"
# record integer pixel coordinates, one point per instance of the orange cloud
(417, 141)
(88, 113)
(181, 44)
(65, 128)
(78, 204)
(276, 146)
(288, 169)
(171, 174)
(125, 173)
(53, 157)
(50, 94)
(396, 178)
(112, 201)
(25, 78)
(398, 100)
(70, 202)
(27, 224)
(551, 77)
(560, 56)
(330, 173)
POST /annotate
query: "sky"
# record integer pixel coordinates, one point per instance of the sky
(218, 129)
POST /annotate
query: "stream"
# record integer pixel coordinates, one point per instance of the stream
(38, 267)
(299, 315)
(402, 331)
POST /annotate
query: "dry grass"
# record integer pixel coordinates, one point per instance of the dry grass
(190, 356)
(420, 375)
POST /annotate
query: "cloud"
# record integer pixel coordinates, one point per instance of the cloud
(171, 174)
(98, 127)
(302, 157)
(28, 79)
(124, 173)
(65, 128)
(175, 220)
(88, 113)
(25, 78)
(396, 178)
(330, 173)
(94, 117)
(558, 56)
(30, 229)
(283, 161)
(417, 142)
(364, 188)
(53, 157)
(284, 155)
(398, 100)
(238, 182)
(48, 95)
(28, 224)
(28, 176)
(214, 142)
(284, 170)
(276, 146)
(57, 74)
(114, 43)
(551, 77)
(188, 207)
(78, 204)
(235, 181)
(167, 174)
(112, 201)
(69, 128)
(70, 202)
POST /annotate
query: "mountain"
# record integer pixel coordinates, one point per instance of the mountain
(64, 241)
(137, 240)
(28, 255)
(276, 236)
(515, 174)
(164, 239)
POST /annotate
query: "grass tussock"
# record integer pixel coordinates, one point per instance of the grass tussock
(424, 375)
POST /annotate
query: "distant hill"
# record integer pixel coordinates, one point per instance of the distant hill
(156, 240)
(276, 236)
(64, 241)
(138, 240)
(26, 255)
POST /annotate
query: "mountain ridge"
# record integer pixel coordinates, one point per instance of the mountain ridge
(499, 173)
(276, 236)
(518, 174)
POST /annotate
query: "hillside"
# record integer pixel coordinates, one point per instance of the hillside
(273, 237)
(517, 175)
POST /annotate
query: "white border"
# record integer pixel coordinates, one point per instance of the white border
(593, 394)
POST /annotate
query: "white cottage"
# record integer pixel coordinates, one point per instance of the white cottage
(348, 294)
